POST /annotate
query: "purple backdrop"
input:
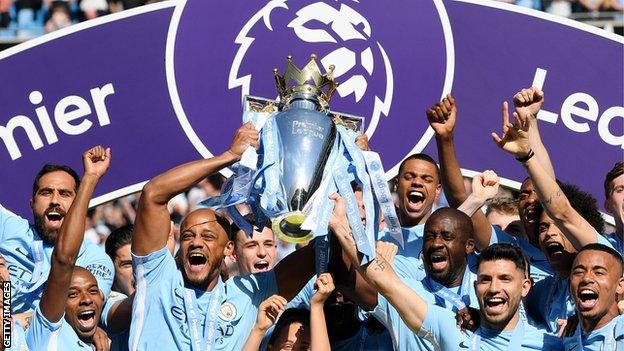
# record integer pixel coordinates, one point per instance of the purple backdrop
(178, 76)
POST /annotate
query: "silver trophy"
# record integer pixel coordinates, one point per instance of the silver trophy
(307, 130)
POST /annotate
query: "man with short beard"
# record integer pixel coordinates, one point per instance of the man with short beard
(68, 314)
(502, 282)
(595, 283)
(449, 281)
(28, 248)
(185, 304)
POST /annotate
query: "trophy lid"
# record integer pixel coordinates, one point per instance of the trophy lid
(308, 82)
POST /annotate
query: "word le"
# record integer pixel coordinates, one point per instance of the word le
(6, 314)
(571, 109)
(69, 115)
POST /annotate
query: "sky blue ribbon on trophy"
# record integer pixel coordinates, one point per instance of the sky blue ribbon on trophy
(443, 293)
(319, 207)
(272, 199)
(383, 195)
(347, 136)
(343, 183)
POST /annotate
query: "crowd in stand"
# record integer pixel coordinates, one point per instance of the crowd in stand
(44, 16)
(534, 273)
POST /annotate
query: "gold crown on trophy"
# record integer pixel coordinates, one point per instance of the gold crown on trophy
(308, 80)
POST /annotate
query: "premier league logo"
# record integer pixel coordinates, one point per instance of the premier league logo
(339, 35)
(376, 48)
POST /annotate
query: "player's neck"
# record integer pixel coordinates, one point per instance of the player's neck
(456, 278)
(600, 321)
(214, 280)
(407, 221)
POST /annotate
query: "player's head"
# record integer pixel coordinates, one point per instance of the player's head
(446, 244)
(527, 202)
(292, 331)
(555, 245)
(614, 193)
(54, 190)
(502, 211)
(84, 303)
(117, 247)
(256, 253)
(418, 186)
(595, 283)
(204, 242)
(502, 282)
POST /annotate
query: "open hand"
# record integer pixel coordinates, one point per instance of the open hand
(515, 139)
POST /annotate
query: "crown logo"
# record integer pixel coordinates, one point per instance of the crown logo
(308, 80)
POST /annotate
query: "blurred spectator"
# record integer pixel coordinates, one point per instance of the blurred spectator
(207, 188)
(561, 8)
(5, 7)
(94, 8)
(589, 5)
(60, 16)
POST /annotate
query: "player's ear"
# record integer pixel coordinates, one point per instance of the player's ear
(228, 250)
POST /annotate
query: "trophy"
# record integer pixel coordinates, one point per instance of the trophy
(306, 153)
(307, 131)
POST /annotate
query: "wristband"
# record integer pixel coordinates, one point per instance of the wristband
(527, 157)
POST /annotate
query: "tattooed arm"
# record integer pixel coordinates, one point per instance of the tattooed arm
(515, 140)
(379, 273)
(557, 206)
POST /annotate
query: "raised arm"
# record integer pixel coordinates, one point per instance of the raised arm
(324, 286)
(484, 188)
(151, 228)
(442, 118)
(268, 312)
(69, 239)
(515, 140)
(379, 273)
(527, 103)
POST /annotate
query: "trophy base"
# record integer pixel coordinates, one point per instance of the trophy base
(288, 228)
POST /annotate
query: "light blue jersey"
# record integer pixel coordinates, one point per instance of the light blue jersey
(439, 329)
(608, 338)
(18, 339)
(548, 301)
(60, 336)
(617, 242)
(540, 268)
(402, 336)
(20, 245)
(412, 239)
(119, 340)
(160, 316)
